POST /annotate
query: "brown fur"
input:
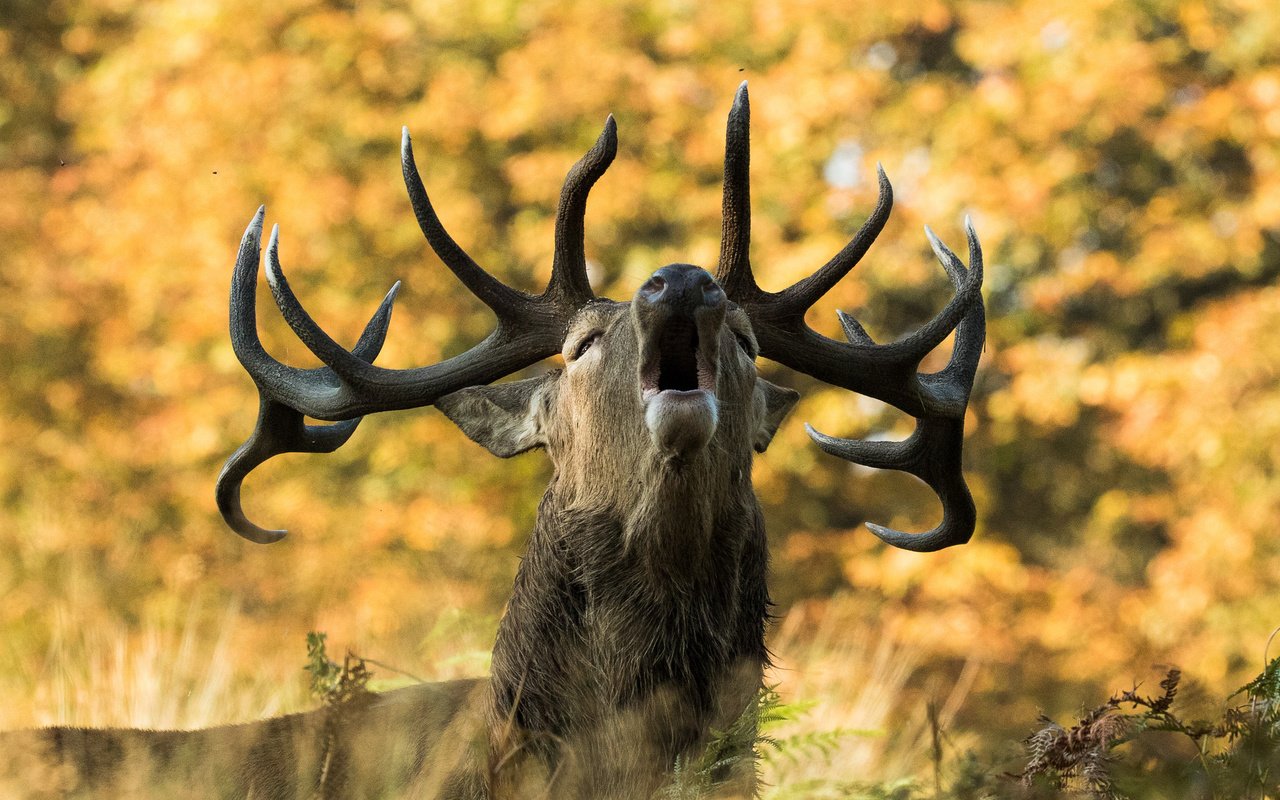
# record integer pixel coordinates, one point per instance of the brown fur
(636, 624)
(423, 741)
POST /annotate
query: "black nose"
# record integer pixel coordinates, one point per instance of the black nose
(684, 287)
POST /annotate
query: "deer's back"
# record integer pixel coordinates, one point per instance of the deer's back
(419, 742)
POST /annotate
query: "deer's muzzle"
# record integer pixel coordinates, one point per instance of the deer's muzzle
(679, 314)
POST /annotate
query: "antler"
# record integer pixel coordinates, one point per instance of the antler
(886, 372)
(529, 329)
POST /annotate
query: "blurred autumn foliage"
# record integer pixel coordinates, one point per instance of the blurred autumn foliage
(1121, 162)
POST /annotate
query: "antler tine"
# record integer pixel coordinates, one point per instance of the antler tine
(971, 333)
(492, 292)
(734, 270)
(349, 365)
(244, 300)
(569, 264)
(804, 293)
(279, 429)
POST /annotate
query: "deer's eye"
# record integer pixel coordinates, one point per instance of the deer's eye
(745, 343)
(585, 345)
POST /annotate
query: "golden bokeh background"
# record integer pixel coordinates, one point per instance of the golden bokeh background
(1119, 160)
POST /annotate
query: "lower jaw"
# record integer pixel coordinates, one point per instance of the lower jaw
(653, 393)
(681, 422)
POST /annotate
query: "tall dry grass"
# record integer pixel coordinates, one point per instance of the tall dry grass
(847, 684)
(163, 673)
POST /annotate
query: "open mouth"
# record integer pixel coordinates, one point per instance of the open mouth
(677, 365)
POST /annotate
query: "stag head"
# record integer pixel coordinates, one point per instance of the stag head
(664, 385)
(641, 394)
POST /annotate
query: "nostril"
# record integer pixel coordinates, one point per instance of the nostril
(712, 294)
(682, 287)
(653, 287)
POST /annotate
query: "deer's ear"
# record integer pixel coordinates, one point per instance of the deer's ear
(773, 403)
(506, 418)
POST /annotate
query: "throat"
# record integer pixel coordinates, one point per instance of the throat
(609, 612)
(670, 527)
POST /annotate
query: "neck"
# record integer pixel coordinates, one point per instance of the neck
(654, 613)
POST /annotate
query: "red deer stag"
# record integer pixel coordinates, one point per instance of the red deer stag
(636, 623)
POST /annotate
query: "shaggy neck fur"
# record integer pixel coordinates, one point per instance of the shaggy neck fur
(634, 629)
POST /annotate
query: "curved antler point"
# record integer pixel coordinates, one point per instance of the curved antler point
(886, 189)
(885, 534)
(255, 224)
(227, 496)
(940, 248)
(975, 246)
(274, 272)
(819, 438)
(937, 539)
(936, 243)
(406, 150)
(854, 333)
(609, 138)
(265, 536)
(975, 252)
